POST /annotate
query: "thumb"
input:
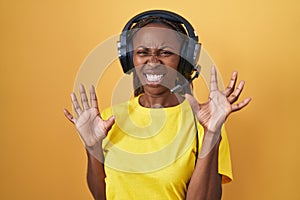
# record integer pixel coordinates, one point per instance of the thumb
(110, 122)
(193, 102)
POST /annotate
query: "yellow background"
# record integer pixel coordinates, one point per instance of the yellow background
(43, 44)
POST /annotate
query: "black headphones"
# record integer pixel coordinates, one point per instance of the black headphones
(190, 50)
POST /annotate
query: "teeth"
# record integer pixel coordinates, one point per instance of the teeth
(153, 77)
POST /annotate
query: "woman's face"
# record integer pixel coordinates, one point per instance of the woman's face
(156, 57)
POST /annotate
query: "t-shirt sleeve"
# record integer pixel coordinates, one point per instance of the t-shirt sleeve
(224, 160)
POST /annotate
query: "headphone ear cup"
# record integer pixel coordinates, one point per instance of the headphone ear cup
(129, 56)
(125, 51)
(186, 58)
(191, 56)
(182, 62)
(122, 52)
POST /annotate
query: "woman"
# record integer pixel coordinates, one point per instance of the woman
(147, 148)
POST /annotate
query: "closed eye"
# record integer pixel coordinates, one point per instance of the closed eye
(159, 52)
(142, 53)
(165, 53)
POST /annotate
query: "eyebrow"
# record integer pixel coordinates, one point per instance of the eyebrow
(163, 47)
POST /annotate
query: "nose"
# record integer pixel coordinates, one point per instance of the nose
(153, 59)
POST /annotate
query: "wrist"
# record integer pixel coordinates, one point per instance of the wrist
(95, 151)
(210, 142)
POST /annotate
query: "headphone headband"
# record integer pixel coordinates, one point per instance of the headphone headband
(171, 16)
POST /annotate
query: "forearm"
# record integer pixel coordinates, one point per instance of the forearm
(96, 174)
(206, 182)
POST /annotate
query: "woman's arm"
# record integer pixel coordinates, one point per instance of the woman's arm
(96, 176)
(205, 183)
(92, 129)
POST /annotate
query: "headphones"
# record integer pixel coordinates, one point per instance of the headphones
(190, 50)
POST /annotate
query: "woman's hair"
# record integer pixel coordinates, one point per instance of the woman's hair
(138, 88)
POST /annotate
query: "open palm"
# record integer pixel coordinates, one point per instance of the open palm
(91, 127)
(213, 113)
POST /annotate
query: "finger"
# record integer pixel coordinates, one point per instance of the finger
(106, 126)
(235, 95)
(76, 105)
(213, 79)
(84, 99)
(69, 116)
(193, 102)
(93, 97)
(109, 123)
(239, 106)
(230, 88)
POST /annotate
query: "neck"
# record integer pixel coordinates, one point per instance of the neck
(160, 101)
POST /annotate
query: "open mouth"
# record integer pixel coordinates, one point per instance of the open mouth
(154, 78)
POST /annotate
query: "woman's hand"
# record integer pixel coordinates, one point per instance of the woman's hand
(220, 105)
(213, 113)
(91, 127)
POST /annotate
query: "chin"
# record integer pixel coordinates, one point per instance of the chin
(155, 89)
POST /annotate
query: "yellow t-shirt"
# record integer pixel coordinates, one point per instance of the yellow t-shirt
(150, 152)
